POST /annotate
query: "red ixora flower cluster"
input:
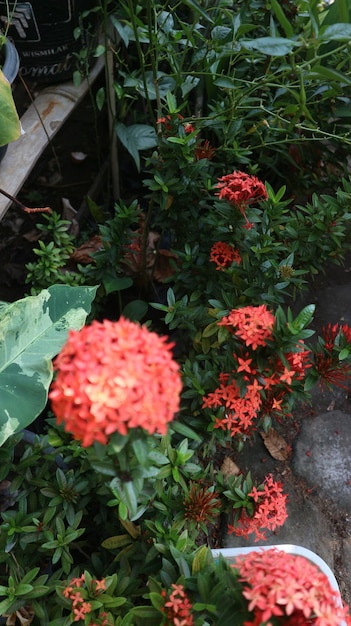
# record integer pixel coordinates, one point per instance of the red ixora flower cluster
(201, 504)
(80, 607)
(240, 190)
(250, 388)
(240, 410)
(331, 370)
(224, 255)
(204, 150)
(253, 324)
(288, 588)
(270, 395)
(269, 514)
(114, 376)
(177, 607)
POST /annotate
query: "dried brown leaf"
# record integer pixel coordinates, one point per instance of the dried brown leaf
(229, 468)
(163, 266)
(276, 445)
(83, 253)
(25, 615)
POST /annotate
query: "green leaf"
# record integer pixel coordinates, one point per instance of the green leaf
(130, 497)
(145, 611)
(183, 429)
(342, 7)
(171, 102)
(123, 31)
(122, 511)
(135, 310)
(211, 329)
(302, 320)
(140, 450)
(194, 6)
(5, 605)
(32, 331)
(336, 32)
(118, 541)
(281, 17)
(105, 468)
(272, 46)
(225, 82)
(221, 33)
(38, 609)
(10, 128)
(201, 559)
(170, 297)
(135, 138)
(22, 589)
(330, 74)
(100, 98)
(29, 576)
(344, 354)
(116, 283)
(148, 87)
(190, 83)
(156, 600)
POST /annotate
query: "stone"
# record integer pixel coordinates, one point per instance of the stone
(322, 456)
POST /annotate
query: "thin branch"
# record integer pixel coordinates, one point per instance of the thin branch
(45, 209)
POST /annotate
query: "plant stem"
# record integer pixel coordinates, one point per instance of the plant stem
(45, 209)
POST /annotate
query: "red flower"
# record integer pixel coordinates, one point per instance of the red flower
(201, 505)
(331, 371)
(177, 608)
(204, 151)
(330, 333)
(346, 330)
(240, 411)
(169, 124)
(240, 190)
(81, 611)
(80, 607)
(270, 511)
(299, 360)
(224, 255)
(114, 376)
(253, 324)
(289, 587)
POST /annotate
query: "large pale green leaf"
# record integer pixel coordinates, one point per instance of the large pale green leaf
(10, 128)
(272, 46)
(336, 32)
(136, 137)
(32, 331)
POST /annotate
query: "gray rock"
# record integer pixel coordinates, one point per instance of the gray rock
(322, 456)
